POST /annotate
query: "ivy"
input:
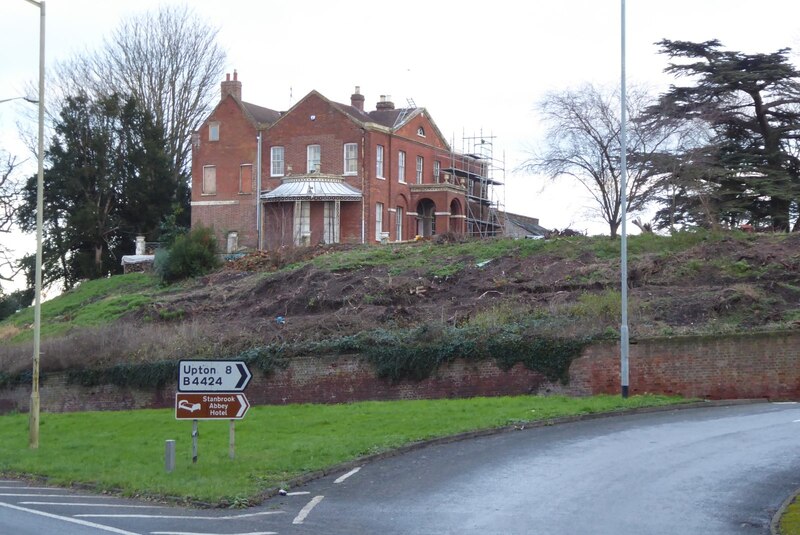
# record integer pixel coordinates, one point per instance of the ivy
(8, 380)
(136, 375)
(396, 355)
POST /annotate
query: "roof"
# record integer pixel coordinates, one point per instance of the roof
(313, 187)
(529, 224)
(261, 114)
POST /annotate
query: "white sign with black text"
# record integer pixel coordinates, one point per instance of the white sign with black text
(213, 376)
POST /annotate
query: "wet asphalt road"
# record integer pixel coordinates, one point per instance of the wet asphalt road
(722, 470)
(701, 471)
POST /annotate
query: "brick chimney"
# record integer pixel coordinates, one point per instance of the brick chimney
(231, 87)
(357, 99)
(385, 103)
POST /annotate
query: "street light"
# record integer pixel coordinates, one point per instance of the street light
(623, 331)
(26, 99)
(33, 422)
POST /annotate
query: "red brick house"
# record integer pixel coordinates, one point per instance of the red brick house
(327, 172)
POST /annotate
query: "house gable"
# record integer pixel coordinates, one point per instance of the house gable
(419, 127)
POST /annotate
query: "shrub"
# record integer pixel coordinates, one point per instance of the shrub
(191, 255)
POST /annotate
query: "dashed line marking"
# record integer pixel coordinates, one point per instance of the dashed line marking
(298, 493)
(301, 516)
(204, 533)
(30, 495)
(795, 421)
(20, 487)
(181, 517)
(121, 506)
(68, 519)
(348, 474)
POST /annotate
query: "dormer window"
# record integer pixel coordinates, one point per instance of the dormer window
(421, 132)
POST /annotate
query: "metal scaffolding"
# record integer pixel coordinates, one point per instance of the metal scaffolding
(483, 175)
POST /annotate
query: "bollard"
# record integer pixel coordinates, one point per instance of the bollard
(169, 456)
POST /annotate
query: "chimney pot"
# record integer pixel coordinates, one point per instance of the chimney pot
(231, 87)
(357, 99)
(385, 103)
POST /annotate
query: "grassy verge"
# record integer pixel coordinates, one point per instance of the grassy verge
(124, 450)
(91, 303)
(790, 521)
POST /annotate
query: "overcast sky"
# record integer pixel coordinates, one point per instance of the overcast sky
(478, 67)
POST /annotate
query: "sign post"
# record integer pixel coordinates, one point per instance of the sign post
(211, 390)
(195, 434)
(232, 440)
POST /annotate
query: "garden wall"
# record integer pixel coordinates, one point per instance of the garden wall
(740, 366)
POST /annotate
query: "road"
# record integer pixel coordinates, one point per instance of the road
(722, 470)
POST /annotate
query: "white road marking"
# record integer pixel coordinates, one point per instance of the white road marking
(348, 474)
(795, 421)
(19, 487)
(203, 533)
(68, 519)
(20, 495)
(298, 493)
(181, 517)
(307, 509)
(784, 403)
(96, 505)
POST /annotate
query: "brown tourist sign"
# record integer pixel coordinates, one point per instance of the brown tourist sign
(210, 406)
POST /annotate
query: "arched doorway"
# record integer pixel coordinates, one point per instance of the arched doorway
(426, 218)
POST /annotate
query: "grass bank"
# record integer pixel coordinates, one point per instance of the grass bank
(123, 451)
(790, 521)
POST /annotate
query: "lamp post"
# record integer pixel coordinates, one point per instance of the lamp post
(623, 331)
(33, 437)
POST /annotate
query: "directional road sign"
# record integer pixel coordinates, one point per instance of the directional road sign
(210, 406)
(213, 376)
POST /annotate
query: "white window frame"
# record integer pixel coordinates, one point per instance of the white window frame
(421, 132)
(313, 158)
(401, 166)
(351, 160)
(277, 161)
(420, 168)
(378, 220)
(398, 224)
(209, 174)
(437, 170)
(379, 161)
(213, 131)
(302, 222)
(331, 218)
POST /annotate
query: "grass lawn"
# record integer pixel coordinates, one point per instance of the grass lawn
(790, 521)
(125, 450)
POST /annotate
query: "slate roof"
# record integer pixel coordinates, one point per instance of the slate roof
(261, 114)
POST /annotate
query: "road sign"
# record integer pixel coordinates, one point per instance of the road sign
(210, 406)
(213, 376)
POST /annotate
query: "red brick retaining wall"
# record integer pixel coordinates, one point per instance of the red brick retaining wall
(740, 366)
(756, 365)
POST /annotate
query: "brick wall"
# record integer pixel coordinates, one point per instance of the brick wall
(311, 379)
(758, 365)
(741, 366)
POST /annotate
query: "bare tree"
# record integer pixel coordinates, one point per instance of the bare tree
(169, 60)
(9, 197)
(583, 142)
